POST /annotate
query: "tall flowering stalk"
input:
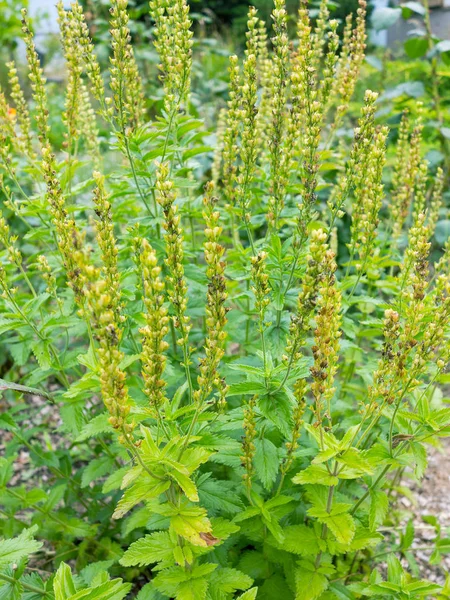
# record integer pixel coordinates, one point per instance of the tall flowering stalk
(249, 113)
(349, 64)
(248, 443)
(38, 81)
(369, 195)
(230, 137)
(405, 174)
(265, 81)
(436, 199)
(107, 243)
(22, 112)
(173, 42)
(156, 327)
(109, 335)
(280, 67)
(356, 167)
(307, 74)
(8, 241)
(326, 341)
(307, 298)
(91, 64)
(79, 115)
(261, 289)
(177, 287)
(69, 238)
(126, 83)
(216, 310)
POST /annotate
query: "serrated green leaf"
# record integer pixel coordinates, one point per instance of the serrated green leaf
(316, 474)
(379, 504)
(152, 548)
(14, 549)
(266, 462)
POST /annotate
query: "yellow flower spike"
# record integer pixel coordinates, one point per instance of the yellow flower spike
(156, 327)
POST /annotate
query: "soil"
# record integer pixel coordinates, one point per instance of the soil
(432, 497)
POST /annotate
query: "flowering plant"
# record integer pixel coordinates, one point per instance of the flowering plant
(219, 382)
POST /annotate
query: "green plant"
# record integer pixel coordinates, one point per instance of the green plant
(212, 382)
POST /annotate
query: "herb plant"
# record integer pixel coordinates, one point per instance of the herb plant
(222, 349)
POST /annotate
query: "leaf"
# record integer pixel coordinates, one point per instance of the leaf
(356, 462)
(12, 550)
(227, 581)
(416, 47)
(141, 490)
(408, 537)
(219, 496)
(300, 539)
(310, 583)
(186, 484)
(63, 585)
(40, 349)
(96, 468)
(190, 523)
(8, 385)
(316, 474)
(414, 89)
(442, 231)
(278, 409)
(183, 584)
(110, 590)
(266, 462)
(340, 523)
(385, 17)
(379, 504)
(249, 594)
(421, 459)
(394, 569)
(152, 548)
(246, 388)
(149, 592)
(97, 425)
(408, 8)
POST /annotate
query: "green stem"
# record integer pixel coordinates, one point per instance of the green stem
(26, 586)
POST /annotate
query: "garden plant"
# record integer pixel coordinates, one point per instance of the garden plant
(223, 347)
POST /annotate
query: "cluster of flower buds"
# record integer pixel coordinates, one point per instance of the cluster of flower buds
(173, 42)
(406, 173)
(260, 279)
(350, 61)
(356, 167)
(175, 253)
(91, 64)
(156, 326)
(369, 194)
(216, 310)
(49, 277)
(326, 338)
(307, 298)
(300, 389)
(38, 81)
(230, 137)
(125, 83)
(25, 138)
(79, 116)
(70, 239)
(9, 242)
(112, 378)
(107, 243)
(280, 67)
(382, 386)
(249, 115)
